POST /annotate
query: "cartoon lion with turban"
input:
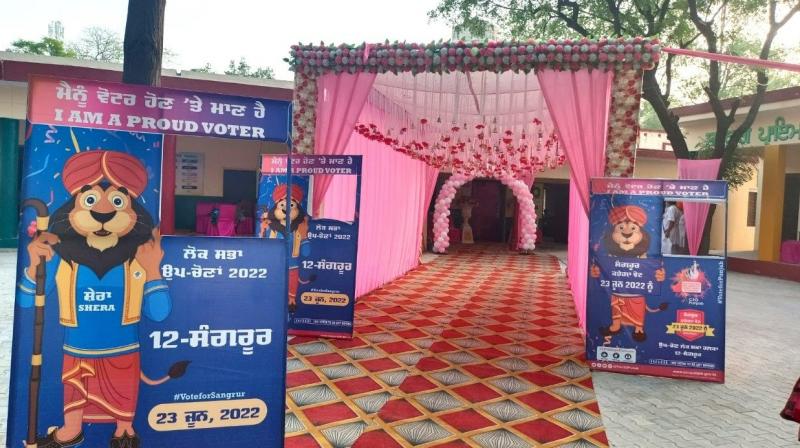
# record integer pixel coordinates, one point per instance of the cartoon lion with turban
(106, 257)
(274, 226)
(627, 237)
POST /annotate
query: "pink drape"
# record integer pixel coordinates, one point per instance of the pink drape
(578, 252)
(395, 195)
(695, 213)
(579, 103)
(340, 99)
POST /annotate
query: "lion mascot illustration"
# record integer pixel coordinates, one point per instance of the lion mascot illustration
(627, 237)
(106, 255)
(298, 234)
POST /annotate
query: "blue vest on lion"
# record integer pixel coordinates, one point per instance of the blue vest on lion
(101, 315)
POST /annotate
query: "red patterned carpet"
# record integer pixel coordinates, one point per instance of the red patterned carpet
(479, 348)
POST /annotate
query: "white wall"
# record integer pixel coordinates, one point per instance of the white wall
(13, 100)
(221, 154)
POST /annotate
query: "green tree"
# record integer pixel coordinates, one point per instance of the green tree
(47, 46)
(242, 68)
(716, 26)
(204, 69)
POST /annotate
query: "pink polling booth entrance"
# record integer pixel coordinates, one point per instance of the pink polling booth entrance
(504, 110)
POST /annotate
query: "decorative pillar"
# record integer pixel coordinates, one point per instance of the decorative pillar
(772, 191)
(9, 182)
(168, 162)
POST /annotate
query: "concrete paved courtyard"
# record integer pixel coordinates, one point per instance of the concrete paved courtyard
(763, 361)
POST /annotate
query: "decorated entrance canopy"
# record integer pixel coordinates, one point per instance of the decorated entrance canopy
(498, 109)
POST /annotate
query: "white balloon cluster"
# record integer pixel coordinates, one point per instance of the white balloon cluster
(527, 212)
(441, 211)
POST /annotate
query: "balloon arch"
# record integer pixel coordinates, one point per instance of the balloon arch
(441, 211)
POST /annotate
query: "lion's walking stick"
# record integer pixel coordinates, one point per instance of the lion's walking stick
(42, 222)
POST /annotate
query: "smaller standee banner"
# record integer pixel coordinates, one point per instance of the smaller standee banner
(322, 252)
(650, 309)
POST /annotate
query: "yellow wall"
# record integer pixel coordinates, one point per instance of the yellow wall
(772, 190)
(741, 238)
(222, 154)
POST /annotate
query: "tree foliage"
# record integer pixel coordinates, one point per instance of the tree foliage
(98, 44)
(47, 46)
(242, 68)
(715, 26)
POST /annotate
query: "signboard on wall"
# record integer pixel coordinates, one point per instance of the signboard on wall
(322, 253)
(133, 108)
(191, 171)
(118, 333)
(648, 313)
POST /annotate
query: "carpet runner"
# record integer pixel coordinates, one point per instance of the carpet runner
(479, 348)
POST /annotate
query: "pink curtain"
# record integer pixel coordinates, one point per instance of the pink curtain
(396, 192)
(579, 103)
(695, 213)
(431, 175)
(340, 99)
(578, 252)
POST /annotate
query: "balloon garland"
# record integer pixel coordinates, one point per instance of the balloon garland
(441, 211)
(527, 211)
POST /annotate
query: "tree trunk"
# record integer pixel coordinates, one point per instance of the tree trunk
(144, 42)
(705, 243)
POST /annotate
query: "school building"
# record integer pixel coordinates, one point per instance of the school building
(763, 214)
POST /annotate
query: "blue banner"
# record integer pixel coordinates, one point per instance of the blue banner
(123, 338)
(321, 253)
(647, 313)
(91, 206)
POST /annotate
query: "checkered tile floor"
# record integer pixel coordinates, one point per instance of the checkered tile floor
(479, 348)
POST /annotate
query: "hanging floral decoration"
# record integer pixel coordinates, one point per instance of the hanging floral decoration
(464, 56)
(479, 150)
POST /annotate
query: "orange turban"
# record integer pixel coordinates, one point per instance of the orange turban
(630, 213)
(92, 167)
(280, 193)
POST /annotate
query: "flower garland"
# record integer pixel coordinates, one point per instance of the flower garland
(484, 151)
(461, 56)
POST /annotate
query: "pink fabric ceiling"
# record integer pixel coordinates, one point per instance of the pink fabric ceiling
(477, 123)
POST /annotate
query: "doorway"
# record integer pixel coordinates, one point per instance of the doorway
(488, 214)
(791, 208)
(555, 216)
(240, 187)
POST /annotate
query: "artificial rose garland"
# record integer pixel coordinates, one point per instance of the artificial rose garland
(460, 56)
